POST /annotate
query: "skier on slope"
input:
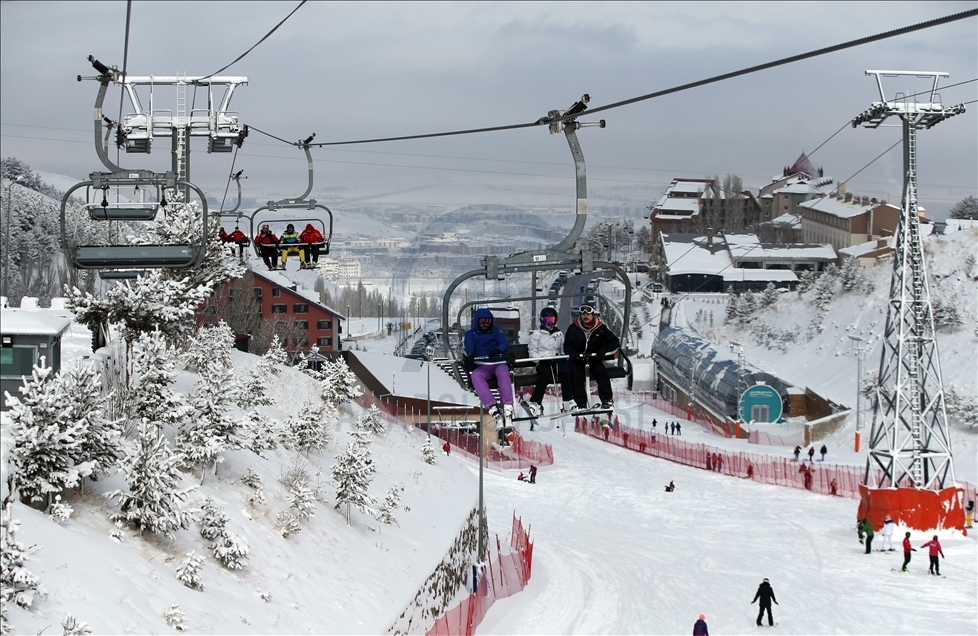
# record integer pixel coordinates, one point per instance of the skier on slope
(935, 549)
(866, 528)
(907, 549)
(765, 593)
(887, 532)
(700, 628)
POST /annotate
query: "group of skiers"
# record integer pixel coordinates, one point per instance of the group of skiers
(586, 344)
(675, 427)
(865, 531)
(811, 453)
(306, 246)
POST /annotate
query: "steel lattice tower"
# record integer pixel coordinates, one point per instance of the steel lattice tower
(909, 440)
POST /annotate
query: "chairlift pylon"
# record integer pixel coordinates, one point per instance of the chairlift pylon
(558, 257)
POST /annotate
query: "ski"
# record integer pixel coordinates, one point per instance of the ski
(582, 412)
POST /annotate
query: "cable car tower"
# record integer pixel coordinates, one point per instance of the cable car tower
(135, 134)
(909, 443)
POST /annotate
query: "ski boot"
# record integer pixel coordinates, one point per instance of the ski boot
(508, 415)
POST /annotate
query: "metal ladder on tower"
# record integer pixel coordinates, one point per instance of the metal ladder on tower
(182, 125)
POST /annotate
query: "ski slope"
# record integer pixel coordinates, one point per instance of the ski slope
(616, 554)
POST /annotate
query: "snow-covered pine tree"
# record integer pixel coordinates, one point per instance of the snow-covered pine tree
(825, 287)
(386, 512)
(276, 355)
(212, 520)
(770, 295)
(427, 451)
(353, 472)
(341, 384)
(101, 442)
(17, 584)
(372, 422)
(211, 430)
(188, 572)
(175, 617)
(254, 388)
(45, 441)
(154, 501)
(153, 363)
(231, 550)
(258, 431)
(71, 626)
(60, 512)
(209, 346)
(307, 430)
(805, 281)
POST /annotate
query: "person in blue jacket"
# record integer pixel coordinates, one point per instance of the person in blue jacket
(485, 345)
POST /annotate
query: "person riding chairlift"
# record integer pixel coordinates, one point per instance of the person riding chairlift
(313, 238)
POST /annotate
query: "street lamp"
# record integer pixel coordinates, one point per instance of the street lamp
(429, 353)
(740, 382)
(860, 344)
(6, 245)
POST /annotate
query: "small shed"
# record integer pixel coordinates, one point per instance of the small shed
(29, 334)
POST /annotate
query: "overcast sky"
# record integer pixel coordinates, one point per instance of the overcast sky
(360, 70)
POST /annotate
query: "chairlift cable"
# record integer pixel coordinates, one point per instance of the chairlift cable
(125, 65)
(267, 35)
(676, 89)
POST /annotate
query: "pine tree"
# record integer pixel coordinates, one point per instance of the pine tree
(386, 512)
(175, 617)
(254, 480)
(212, 430)
(71, 626)
(101, 442)
(427, 451)
(805, 281)
(231, 550)
(17, 584)
(154, 501)
(372, 422)
(153, 362)
(276, 355)
(212, 520)
(340, 385)
(307, 430)
(254, 388)
(353, 472)
(60, 512)
(188, 572)
(258, 431)
(45, 441)
(210, 345)
(770, 295)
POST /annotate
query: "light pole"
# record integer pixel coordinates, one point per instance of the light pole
(429, 353)
(740, 383)
(859, 343)
(6, 245)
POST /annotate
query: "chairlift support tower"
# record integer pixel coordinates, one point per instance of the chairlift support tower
(909, 439)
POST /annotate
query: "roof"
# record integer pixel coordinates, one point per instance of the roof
(837, 207)
(687, 187)
(801, 187)
(405, 377)
(688, 254)
(35, 322)
(743, 245)
(670, 204)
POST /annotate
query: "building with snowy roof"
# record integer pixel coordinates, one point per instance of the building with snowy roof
(29, 335)
(844, 220)
(734, 261)
(688, 204)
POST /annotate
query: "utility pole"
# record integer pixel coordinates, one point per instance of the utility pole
(909, 438)
(859, 344)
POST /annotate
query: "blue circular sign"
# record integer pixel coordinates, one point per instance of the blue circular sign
(761, 403)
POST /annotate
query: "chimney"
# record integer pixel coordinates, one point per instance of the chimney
(848, 197)
(709, 237)
(842, 187)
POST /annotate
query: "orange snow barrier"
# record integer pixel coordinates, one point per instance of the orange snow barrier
(914, 508)
(504, 576)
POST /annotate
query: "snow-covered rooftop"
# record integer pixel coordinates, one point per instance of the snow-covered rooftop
(801, 187)
(35, 322)
(687, 187)
(745, 244)
(405, 377)
(734, 274)
(838, 207)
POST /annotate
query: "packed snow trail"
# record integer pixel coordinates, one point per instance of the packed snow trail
(614, 553)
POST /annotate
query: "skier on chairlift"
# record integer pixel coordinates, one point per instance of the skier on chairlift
(485, 345)
(587, 342)
(548, 341)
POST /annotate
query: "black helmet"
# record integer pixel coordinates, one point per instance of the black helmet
(290, 228)
(548, 312)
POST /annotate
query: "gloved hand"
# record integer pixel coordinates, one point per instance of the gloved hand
(495, 353)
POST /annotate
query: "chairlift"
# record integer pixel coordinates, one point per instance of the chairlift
(121, 274)
(298, 203)
(233, 212)
(557, 258)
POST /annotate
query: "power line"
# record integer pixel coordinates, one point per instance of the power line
(676, 89)
(267, 35)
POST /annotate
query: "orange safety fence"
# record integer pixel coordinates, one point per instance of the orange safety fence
(503, 576)
(521, 453)
(827, 479)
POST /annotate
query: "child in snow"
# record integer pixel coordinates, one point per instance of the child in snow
(766, 594)
(887, 533)
(906, 552)
(700, 628)
(935, 549)
(447, 448)
(866, 528)
(969, 512)
(671, 487)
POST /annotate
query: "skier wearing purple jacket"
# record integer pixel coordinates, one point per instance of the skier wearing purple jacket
(485, 345)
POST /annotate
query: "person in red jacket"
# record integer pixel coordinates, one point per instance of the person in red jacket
(268, 247)
(935, 549)
(240, 239)
(907, 549)
(314, 238)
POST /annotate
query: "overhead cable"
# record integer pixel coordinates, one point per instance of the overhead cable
(267, 35)
(676, 89)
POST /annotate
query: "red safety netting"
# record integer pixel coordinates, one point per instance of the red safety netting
(520, 454)
(826, 479)
(502, 577)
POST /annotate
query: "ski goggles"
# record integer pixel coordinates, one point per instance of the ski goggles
(587, 309)
(549, 320)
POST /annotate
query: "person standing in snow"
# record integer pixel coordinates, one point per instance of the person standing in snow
(700, 628)
(533, 474)
(765, 593)
(969, 512)
(907, 549)
(679, 428)
(485, 345)
(811, 454)
(823, 451)
(887, 533)
(709, 460)
(866, 528)
(447, 448)
(719, 463)
(797, 452)
(935, 549)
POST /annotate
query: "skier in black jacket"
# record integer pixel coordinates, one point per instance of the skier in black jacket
(766, 593)
(588, 341)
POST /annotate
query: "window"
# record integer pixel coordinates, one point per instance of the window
(325, 324)
(230, 292)
(279, 309)
(280, 326)
(300, 308)
(325, 341)
(302, 324)
(17, 361)
(257, 291)
(276, 291)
